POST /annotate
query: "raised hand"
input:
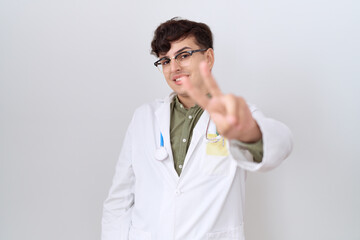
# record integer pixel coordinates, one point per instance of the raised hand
(230, 113)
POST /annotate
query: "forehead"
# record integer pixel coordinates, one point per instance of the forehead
(189, 42)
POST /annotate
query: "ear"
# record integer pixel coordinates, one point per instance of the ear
(210, 58)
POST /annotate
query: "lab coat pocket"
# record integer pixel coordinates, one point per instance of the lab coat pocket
(215, 165)
(236, 233)
(218, 147)
(137, 234)
(216, 160)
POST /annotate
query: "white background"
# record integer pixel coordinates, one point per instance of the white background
(72, 73)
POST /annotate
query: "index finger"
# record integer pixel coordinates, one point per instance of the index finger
(209, 80)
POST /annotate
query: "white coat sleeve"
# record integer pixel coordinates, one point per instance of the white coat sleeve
(117, 208)
(277, 144)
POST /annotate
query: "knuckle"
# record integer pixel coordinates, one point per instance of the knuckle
(241, 99)
(230, 97)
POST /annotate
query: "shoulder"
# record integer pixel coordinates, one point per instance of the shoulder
(149, 109)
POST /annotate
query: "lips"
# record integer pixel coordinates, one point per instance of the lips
(178, 78)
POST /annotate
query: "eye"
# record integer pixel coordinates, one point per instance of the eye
(165, 62)
(183, 56)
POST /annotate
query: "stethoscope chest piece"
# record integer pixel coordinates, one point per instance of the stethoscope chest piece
(161, 154)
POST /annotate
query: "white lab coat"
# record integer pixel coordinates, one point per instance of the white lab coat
(149, 201)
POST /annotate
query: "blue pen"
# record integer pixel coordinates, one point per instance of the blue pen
(161, 140)
(161, 153)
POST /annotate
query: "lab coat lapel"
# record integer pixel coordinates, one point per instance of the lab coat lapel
(163, 117)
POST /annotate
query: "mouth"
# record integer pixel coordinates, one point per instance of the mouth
(178, 79)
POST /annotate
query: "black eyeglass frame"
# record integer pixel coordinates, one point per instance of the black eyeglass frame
(158, 62)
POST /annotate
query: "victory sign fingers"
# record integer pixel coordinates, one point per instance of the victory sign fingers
(230, 113)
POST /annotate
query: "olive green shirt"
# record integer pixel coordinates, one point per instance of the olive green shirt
(182, 123)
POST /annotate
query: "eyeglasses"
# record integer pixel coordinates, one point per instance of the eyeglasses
(183, 59)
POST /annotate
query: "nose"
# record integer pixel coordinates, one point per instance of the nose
(174, 66)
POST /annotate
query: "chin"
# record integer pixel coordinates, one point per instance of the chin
(183, 94)
(179, 90)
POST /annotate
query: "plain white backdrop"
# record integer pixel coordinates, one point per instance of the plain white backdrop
(73, 72)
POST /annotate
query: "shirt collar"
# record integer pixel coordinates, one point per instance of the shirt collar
(179, 106)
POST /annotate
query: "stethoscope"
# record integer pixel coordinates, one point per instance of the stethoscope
(161, 154)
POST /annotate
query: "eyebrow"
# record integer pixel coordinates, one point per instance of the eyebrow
(182, 49)
(178, 51)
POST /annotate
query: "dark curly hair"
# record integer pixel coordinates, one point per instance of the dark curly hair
(178, 29)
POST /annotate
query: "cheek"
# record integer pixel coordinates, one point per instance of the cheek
(196, 78)
(167, 77)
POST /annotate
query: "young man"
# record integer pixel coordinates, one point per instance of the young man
(181, 171)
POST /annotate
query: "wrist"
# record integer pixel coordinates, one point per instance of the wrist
(253, 135)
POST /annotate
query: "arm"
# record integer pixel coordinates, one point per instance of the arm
(116, 218)
(277, 145)
(256, 149)
(238, 122)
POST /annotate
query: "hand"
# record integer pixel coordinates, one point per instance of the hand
(230, 113)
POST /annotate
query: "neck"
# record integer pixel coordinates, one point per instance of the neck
(186, 101)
